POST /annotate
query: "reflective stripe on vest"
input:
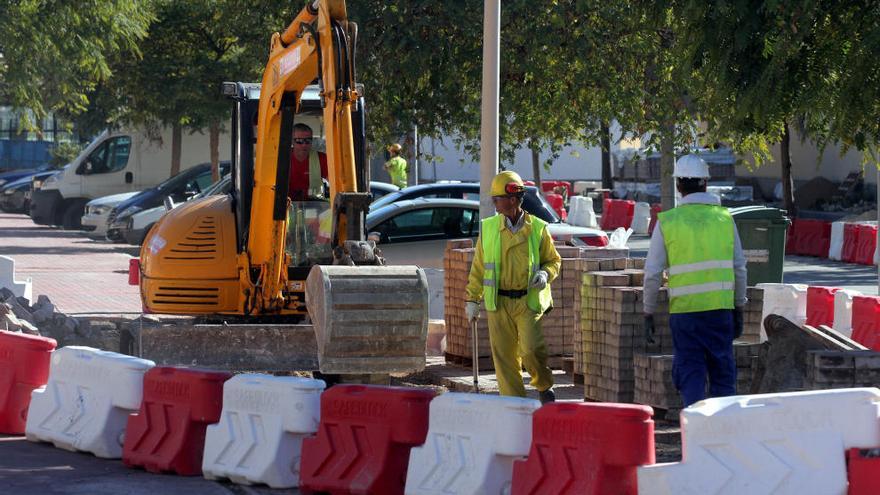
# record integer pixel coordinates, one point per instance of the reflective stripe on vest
(699, 243)
(490, 234)
(316, 185)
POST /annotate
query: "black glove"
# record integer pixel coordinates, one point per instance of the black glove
(737, 323)
(649, 329)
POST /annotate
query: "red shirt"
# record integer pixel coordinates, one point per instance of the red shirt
(298, 187)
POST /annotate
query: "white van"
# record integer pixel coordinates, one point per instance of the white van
(115, 162)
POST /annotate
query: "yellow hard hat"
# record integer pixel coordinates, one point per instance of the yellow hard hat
(394, 147)
(507, 182)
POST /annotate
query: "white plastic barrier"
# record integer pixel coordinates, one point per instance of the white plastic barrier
(580, 186)
(641, 218)
(471, 445)
(261, 430)
(86, 403)
(789, 443)
(21, 288)
(580, 212)
(786, 300)
(835, 249)
(843, 300)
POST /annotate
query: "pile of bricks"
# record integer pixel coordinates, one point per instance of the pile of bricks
(612, 330)
(842, 369)
(752, 314)
(456, 266)
(653, 376)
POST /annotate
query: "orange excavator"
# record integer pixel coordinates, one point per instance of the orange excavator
(254, 255)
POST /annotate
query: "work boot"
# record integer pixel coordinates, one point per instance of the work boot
(547, 396)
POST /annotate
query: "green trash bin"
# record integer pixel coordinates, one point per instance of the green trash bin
(762, 231)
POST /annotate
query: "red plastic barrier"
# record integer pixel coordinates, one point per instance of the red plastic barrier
(24, 366)
(820, 305)
(586, 449)
(617, 213)
(168, 433)
(655, 209)
(866, 321)
(850, 241)
(551, 185)
(558, 204)
(866, 244)
(863, 471)
(810, 238)
(364, 439)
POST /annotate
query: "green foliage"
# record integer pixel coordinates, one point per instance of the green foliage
(64, 153)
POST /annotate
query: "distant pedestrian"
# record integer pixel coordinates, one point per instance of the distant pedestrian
(699, 246)
(396, 166)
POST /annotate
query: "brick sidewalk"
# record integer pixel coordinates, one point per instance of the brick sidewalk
(80, 275)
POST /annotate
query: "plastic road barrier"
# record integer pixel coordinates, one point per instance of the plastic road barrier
(24, 367)
(261, 430)
(782, 444)
(617, 213)
(863, 471)
(168, 433)
(641, 218)
(364, 439)
(580, 212)
(586, 449)
(473, 441)
(850, 242)
(655, 209)
(843, 300)
(87, 400)
(820, 305)
(866, 321)
(866, 244)
(786, 300)
(835, 246)
(558, 204)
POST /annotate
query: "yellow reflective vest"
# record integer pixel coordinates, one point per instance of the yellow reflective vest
(499, 264)
(699, 242)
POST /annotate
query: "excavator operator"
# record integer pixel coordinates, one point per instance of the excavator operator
(308, 168)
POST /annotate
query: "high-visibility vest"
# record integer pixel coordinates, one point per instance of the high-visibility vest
(490, 233)
(699, 242)
(316, 185)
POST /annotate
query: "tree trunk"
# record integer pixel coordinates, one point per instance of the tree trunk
(667, 166)
(214, 136)
(176, 138)
(607, 182)
(787, 181)
(536, 166)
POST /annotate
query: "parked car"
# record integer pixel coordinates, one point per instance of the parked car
(14, 175)
(138, 225)
(415, 231)
(533, 202)
(179, 188)
(15, 195)
(379, 189)
(97, 212)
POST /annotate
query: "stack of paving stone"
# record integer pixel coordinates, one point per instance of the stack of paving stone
(653, 375)
(612, 328)
(457, 265)
(752, 314)
(842, 369)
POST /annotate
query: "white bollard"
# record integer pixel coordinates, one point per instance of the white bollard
(472, 443)
(835, 248)
(786, 300)
(781, 444)
(261, 430)
(843, 301)
(641, 218)
(21, 288)
(86, 403)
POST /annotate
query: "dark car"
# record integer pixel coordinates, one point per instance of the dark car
(533, 202)
(15, 195)
(179, 188)
(14, 175)
(379, 189)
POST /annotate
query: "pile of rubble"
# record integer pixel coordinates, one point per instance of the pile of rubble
(18, 315)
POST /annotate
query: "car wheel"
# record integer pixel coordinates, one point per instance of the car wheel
(72, 217)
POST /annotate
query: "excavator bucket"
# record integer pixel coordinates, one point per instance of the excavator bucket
(368, 319)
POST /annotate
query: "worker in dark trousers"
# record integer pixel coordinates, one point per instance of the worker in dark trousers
(698, 245)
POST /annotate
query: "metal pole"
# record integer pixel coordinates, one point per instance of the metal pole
(489, 107)
(475, 356)
(416, 151)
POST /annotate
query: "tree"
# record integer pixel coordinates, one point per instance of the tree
(52, 54)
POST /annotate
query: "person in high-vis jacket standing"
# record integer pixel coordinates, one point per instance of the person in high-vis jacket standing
(514, 263)
(698, 245)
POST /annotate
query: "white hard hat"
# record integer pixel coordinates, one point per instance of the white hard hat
(692, 167)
